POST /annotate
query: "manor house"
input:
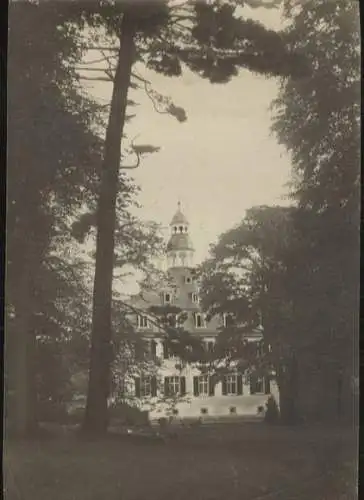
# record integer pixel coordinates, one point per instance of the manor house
(235, 394)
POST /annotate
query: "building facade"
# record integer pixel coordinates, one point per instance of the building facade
(171, 387)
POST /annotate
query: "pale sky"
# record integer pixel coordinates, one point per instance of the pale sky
(220, 162)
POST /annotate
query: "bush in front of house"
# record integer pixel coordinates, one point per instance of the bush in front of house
(127, 414)
(272, 411)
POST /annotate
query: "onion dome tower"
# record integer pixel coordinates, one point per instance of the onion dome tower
(179, 248)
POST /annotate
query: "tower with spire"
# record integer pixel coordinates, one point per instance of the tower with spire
(177, 294)
(179, 247)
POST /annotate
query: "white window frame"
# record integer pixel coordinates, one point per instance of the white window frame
(231, 382)
(141, 318)
(203, 320)
(174, 385)
(145, 387)
(195, 298)
(225, 317)
(203, 385)
(210, 345)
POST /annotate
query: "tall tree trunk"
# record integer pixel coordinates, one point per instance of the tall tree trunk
(96, 416)
(20, 354)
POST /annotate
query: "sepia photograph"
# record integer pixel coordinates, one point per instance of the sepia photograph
(182, 269)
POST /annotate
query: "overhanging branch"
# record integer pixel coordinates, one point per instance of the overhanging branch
(138, 155)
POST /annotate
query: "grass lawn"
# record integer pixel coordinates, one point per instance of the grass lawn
(245, 462)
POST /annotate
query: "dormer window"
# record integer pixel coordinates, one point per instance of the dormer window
(173, 320)
(260, 349)
(143, 321)
(200, 321)
(226, 320)
(167, 298)
(210, 346)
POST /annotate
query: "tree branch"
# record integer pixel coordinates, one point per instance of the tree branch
(150, 96)
(110, 71)
(94, 61)
(96, 79)
(138, 155)
(100, 70)
(140, 78)
(100, 48)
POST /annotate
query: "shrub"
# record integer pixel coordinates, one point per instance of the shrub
(272, 411)
(128, 415)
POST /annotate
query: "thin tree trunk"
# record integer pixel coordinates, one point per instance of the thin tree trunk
(288, 393)
(96, 416)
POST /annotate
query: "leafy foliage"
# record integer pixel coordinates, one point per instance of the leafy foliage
(245, 277)
(54, 152)
(53, 159)
(181, 30)
(317, 119)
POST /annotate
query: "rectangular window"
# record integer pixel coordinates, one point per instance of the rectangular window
(226, 320)
(259, 385)
(203, 385)
(231, 385)
(173, 386)
(145, 387)
(195, 298)
(143, 321)
(169, 349)
(260, 350)
(210, 346)
(166, 351)
(173, 320)
(167, 298)
(153, 349)
(199, 320)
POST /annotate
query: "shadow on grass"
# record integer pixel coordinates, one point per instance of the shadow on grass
(247, 462)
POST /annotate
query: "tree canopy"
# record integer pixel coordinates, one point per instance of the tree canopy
(299, 266)
(317, 119)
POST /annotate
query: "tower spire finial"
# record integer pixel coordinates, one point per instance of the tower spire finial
(179, 204)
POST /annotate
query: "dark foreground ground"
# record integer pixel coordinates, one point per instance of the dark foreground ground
(245, 462)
